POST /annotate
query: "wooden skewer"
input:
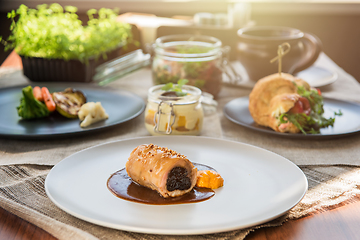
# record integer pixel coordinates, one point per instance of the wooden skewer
(281, 52)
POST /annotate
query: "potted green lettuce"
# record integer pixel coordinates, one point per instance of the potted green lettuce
(55, 45)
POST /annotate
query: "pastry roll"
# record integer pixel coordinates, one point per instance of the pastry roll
(274, 95)
(166, 171)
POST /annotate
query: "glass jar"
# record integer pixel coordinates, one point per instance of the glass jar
(199, 59)
(174, 115)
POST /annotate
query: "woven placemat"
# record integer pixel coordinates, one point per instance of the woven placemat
(22, 193)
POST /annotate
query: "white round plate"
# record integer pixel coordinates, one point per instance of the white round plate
(314, 75)
(317, 76)
(258, 186)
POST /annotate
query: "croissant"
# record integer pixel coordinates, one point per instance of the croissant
(274, 95)
(166, 171)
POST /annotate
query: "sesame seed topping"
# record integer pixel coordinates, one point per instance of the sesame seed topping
(153, 149)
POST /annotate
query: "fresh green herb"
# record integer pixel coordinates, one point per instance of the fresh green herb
(338, 113)
(297, 119)
(50, 32)
(31, 108)
(315, 121)
(176, 88)
(307, 124)
(314, 98)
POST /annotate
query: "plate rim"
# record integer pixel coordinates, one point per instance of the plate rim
(74, 133)
(291, 135)
(176, 231)
(249, 84)
(333, 79)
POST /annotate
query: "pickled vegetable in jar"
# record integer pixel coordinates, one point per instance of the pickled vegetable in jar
(199, 59)
(169, 114)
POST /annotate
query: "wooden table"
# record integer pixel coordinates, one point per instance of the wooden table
(340, 223)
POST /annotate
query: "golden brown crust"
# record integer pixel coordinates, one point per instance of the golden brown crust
(273, 95)
(282, 103)
(149, 166)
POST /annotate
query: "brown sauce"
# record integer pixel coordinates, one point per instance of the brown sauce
(121, 185)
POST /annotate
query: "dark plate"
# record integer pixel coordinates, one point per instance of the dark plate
(121, 106)
(346, 124)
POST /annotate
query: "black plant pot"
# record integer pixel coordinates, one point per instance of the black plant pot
(57, 70)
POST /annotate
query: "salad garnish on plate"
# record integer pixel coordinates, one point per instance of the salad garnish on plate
(288, 104)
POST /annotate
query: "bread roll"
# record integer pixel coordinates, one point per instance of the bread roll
(272, 96)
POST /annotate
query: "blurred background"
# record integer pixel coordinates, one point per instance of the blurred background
(335, 22)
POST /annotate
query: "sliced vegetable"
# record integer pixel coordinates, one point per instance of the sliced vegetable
(301, 106)
(37, 94)
(319, 91)
(31, 108)
(50, 104)
(69, 102)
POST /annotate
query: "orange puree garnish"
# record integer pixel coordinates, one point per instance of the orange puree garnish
(209, 179)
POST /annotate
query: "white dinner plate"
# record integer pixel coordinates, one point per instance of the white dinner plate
(318, 76)
(258, 186)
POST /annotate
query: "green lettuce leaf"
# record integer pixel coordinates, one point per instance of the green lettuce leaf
(315, 121)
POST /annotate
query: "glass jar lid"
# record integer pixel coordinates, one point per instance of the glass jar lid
(156, 94)
(187, 46)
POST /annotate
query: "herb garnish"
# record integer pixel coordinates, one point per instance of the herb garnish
(50, 32)
(170, 87)
(312, 123)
